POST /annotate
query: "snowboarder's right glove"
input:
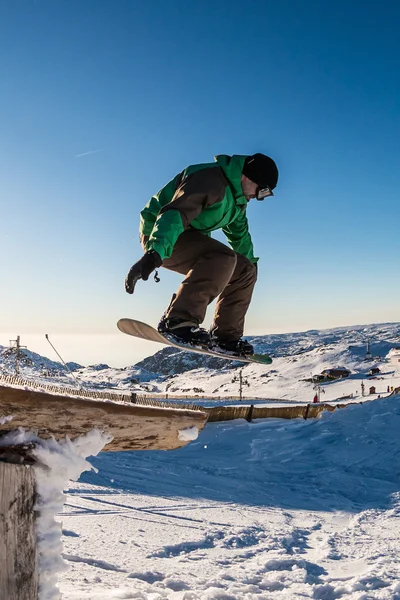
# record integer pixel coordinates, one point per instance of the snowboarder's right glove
(142, 269)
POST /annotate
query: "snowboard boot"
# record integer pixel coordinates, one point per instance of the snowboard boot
(184, 332)
(237, 347)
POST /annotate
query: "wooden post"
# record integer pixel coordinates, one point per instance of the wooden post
(18, 560)
(250, 413)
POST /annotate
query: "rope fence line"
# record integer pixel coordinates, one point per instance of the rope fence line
(145, 399)
(153, 401)
(97, 395)
(63, 391)
(215, 413)
(168, 396)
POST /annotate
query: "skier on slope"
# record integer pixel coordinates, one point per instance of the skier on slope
(175, 229)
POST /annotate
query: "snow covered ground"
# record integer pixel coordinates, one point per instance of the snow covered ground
(296, 357)
(271, 509)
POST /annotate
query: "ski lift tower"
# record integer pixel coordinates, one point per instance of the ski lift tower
(242, 382)
(368, 355)
(17, 345)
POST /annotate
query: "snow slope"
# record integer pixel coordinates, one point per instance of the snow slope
(297, 356)
(272, 509)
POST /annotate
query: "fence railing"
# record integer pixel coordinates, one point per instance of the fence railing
(61, 390)
(160, 399)
(248, 411)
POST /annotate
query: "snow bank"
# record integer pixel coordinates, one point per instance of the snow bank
(273, 510)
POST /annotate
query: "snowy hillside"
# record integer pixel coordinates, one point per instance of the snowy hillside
(269, 510)
(297, 357)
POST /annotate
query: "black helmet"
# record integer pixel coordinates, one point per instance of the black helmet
(262, 170)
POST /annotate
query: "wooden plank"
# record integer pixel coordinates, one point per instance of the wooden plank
(133, 427)
(18, 566)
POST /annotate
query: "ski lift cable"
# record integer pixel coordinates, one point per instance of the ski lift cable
(63, 362)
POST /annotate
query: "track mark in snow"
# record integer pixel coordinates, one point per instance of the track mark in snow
(148, 576)
(177, 585)
(100, 564)
(249, 536)
(313, 572)
(132, 509)
(297, 541)
(186, 547)
(234, 540)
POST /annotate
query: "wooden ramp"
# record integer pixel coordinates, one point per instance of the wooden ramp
(132, 426)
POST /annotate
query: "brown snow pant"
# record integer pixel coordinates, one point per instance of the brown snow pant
(211, 269)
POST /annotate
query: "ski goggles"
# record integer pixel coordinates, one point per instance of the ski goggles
(263, 193)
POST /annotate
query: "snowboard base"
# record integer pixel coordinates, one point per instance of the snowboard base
(147, 332)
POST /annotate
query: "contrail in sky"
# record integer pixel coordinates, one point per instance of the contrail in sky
(91, 152)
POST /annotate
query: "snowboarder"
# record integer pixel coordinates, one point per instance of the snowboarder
(175, 228)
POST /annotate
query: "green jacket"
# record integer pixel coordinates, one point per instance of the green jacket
(204, 197)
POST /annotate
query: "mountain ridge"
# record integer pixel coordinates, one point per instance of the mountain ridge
(296, 356)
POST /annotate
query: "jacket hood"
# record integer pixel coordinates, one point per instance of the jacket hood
(232, 167)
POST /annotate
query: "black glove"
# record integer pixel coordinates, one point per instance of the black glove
(142, 269)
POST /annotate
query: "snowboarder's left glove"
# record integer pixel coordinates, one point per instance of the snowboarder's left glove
(142, 269)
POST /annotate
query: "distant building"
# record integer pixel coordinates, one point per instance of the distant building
(338, 373)
(317, 378)
(374, 371)
(394, 356)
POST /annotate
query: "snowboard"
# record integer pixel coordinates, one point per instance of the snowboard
(144, 331)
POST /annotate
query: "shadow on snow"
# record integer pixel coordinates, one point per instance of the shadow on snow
(346, 460)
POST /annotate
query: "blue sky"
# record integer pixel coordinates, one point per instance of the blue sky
(140, 90)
